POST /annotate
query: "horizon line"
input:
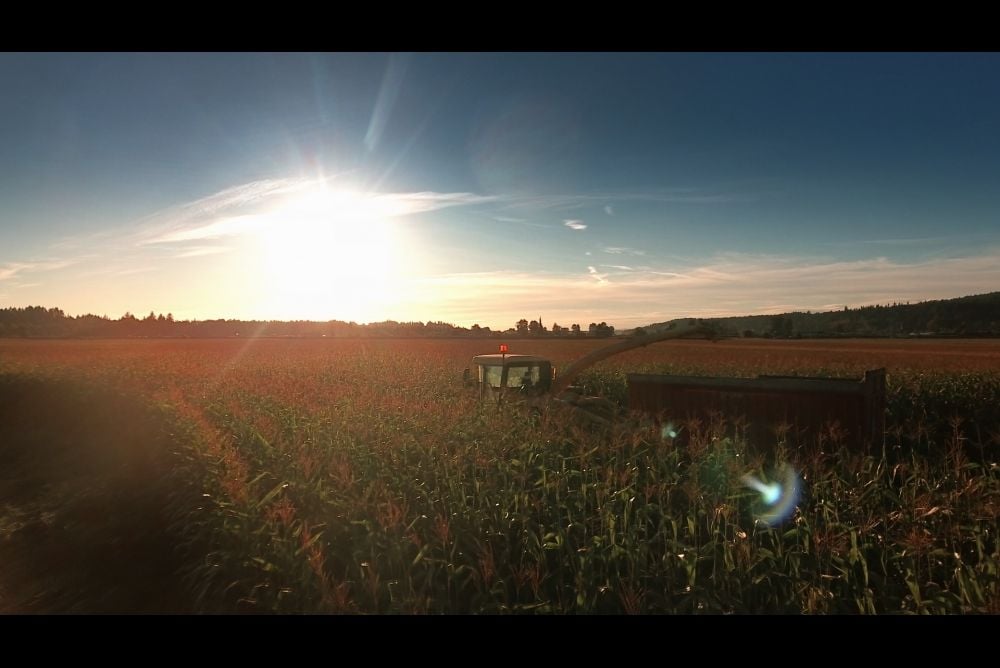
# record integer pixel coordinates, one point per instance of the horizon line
(425, 322)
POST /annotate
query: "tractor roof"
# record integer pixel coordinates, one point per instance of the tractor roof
(509, 360)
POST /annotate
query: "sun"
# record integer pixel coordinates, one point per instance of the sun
(330, 252)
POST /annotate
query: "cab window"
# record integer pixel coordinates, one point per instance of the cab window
(490, 375)
(518, 376)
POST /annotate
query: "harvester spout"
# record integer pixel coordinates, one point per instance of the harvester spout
(566, 378)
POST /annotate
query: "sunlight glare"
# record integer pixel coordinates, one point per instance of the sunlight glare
(330, 253)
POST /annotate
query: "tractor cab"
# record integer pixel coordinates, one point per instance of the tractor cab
(500, 375)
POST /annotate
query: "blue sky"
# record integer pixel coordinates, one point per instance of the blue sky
(630, 188)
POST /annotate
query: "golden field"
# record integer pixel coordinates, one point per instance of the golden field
(321, 475)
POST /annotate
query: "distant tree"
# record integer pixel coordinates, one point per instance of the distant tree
(522, 326)
(777, 325)
(639, 331)
(536, 328)
(602, 330)
(576, 329)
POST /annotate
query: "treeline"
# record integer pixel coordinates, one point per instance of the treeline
(977, 315)
(538, 328)
(41, 322)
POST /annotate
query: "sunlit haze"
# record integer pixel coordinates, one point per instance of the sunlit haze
(486, 188)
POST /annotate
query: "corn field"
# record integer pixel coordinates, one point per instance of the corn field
(353, 476)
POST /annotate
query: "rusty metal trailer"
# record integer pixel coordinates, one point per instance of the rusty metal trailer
(806, 406)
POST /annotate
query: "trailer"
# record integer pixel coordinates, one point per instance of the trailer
(853, 410)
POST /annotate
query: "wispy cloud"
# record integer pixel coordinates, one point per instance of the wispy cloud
(520, 221)
(9, 271)
(898, 241)
(601, 278)
(202, 250)
(117, 269)
(621, 250)
(575, 224)
(244, 199)
(903, 241)
(224, 227)
(244, 209)
(12, 269)
(405, 204)
(134, 270)
(568, 202)
(620, 267)
(239, 196)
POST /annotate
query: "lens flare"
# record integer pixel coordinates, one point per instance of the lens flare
(669, 431)
(779, 498)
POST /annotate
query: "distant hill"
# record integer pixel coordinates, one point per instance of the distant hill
(976, 315)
